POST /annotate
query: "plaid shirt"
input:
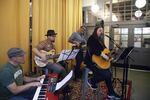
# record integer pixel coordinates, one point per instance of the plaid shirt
(45, 45)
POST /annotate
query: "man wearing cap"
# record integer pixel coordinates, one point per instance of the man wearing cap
(14, 85)
(78, 40)
(48, 45)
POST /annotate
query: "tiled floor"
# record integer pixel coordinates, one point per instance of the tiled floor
(140, 83)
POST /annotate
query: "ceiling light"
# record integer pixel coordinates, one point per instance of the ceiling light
(95, 8)
(138, 13)
(140, 3)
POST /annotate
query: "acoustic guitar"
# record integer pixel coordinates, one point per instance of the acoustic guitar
(50, 56)
(101, 62)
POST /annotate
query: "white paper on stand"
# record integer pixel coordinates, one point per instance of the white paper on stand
(67, 54)
(64, 81)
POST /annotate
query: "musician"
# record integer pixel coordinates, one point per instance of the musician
(14, 85)
(78, 39)
(48, 45)
(95, 46)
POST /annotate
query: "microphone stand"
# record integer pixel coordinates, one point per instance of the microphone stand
(115, 80)
(117, 45)
(65, 61)
(125, 71)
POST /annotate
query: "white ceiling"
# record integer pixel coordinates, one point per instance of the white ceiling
(89, 2)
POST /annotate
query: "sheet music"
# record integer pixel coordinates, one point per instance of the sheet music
(64, 81)
(68, 54)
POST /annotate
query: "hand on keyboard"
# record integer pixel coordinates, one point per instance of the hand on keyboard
(40, 77)
(36, 84)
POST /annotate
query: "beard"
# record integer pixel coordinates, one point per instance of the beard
(52, 40)
(101, 37)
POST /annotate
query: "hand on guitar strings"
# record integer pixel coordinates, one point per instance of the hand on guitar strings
(43, 57)
(103, 55)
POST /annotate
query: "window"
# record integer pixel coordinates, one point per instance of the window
(123, 10)
(142, 37)
(121, 36)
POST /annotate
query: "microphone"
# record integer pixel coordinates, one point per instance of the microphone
(111, 39)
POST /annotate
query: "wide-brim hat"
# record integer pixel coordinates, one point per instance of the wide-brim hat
(50, 33)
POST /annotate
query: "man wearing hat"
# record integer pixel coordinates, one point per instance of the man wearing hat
(14, 85)
(48, 45)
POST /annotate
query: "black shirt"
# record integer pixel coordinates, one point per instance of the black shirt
(94, 47)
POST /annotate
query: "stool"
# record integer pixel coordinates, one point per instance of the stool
(84, 89)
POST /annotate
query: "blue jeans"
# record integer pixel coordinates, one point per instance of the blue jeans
(57, 68)
(102, 75)
(25, 95)
(79, 59)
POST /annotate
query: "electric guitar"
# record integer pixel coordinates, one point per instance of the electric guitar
(49, 55)
(101, 62)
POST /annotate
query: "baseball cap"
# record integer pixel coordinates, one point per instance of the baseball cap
(15, 52)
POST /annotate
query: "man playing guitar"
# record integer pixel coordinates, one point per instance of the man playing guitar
(46, 46)
(98, 60)
(78, 40)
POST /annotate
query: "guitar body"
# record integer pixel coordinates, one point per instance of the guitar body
(100, 61)
(39, 62)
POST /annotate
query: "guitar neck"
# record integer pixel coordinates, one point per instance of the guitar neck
(81, 46)
(52, 56)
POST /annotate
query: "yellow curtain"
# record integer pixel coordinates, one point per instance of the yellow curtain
(14, 28)
(64, 16)
(73, 18)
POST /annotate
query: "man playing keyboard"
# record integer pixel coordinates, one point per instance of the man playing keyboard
(14, 85)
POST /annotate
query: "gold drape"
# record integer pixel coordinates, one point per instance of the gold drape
(64, 16)
(14, 28)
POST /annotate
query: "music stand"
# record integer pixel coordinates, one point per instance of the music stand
(125, 55)
(58, 86)
(67, 55)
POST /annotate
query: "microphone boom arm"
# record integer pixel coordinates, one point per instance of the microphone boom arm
(117, 45)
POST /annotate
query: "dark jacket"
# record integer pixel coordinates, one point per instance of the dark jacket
(94, 46)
